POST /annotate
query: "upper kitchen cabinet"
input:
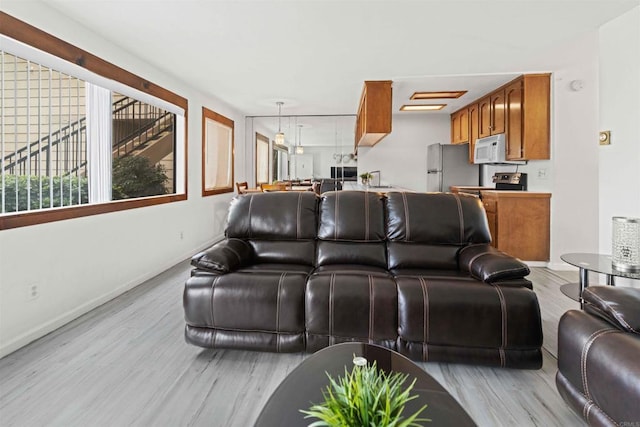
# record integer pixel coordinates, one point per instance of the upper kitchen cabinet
(527, 114)
(474, 129)
(460, 126)
(374, 113)
(491, 114)
(519, 109)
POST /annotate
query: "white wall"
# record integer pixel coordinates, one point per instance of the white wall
(572, 172)
(401, 157)
(323, 159)
(81, 263)
(619, 183)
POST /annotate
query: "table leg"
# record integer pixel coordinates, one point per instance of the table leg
(584, 283)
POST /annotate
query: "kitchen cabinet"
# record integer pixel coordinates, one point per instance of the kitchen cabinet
(474, 128)
(519, 222)
(460, 127)
(491, 114)
(528, 118)
(373, 121)
(520, 109)
(484, 117)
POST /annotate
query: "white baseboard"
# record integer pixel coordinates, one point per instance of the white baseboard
(561, 266)
(536, 263)
(59, 321)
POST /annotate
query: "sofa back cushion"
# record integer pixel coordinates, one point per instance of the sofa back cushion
(425, 230)
(351, 228)
(286, 215)
(281, 226)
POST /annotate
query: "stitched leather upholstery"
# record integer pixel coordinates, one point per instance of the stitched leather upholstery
(428, 231)
(599, 359)
(361, 266)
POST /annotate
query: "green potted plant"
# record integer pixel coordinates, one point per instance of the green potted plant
(366, 177)
(366, 396)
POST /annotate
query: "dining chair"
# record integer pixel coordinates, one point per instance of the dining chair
(242, 187)
(273, 187)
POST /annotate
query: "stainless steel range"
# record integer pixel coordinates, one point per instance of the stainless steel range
(514, 181)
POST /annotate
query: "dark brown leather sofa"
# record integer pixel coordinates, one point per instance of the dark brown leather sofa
(413, 272)
(599, 357)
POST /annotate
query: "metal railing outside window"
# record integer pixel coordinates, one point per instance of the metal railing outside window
(43, 145)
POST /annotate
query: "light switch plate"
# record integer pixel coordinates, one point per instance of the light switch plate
(605, 137)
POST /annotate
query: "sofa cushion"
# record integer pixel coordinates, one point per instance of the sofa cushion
(284, 252)
(466, 313)
(352, 268)
(276, 268)
(287, 215)
(432, 274)
(372, 254)
(420, 255)
(343, 307)
(436, 218)
(270, 302)
(354, 216)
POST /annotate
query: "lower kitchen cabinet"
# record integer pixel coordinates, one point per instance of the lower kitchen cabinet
(519, 222)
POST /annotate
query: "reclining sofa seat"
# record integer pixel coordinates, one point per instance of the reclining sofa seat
(599, 356)
(351, 296)
(438, 247)
(410, 271)
(248, 291)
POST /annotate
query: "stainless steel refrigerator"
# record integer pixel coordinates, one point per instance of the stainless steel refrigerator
(447, 165)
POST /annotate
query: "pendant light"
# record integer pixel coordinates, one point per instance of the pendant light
(279, 135)
(299, 147)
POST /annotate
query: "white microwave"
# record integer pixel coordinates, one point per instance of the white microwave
(492, 149)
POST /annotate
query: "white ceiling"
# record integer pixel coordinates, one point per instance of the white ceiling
(314, 55)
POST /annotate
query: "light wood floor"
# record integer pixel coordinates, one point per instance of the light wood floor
(126, 364)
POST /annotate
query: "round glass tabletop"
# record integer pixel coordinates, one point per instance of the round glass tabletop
(597, 263)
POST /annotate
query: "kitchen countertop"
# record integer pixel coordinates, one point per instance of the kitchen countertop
(491, 191)
(514, 194)
(455, 188)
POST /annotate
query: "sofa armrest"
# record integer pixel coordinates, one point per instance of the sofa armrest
(486, 263)
(224, 257)
(619, 306)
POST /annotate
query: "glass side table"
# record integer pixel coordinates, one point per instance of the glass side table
(596, 263)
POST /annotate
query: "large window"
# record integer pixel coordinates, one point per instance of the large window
(80, 140)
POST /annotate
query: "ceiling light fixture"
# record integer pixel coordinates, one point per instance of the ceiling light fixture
(438, 95)
(424, 107)
(299, 147)
(279, 135)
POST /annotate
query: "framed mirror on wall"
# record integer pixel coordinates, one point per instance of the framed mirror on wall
(315, 147)
(280, 163)
(263, 175)
(217, 153)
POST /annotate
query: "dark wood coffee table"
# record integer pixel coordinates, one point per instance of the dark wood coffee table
(304, 385)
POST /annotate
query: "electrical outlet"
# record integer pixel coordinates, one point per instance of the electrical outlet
(542, 173)
(33, 291)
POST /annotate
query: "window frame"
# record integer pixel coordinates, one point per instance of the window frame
(225, 121)
(21, 31)
(261, 139)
